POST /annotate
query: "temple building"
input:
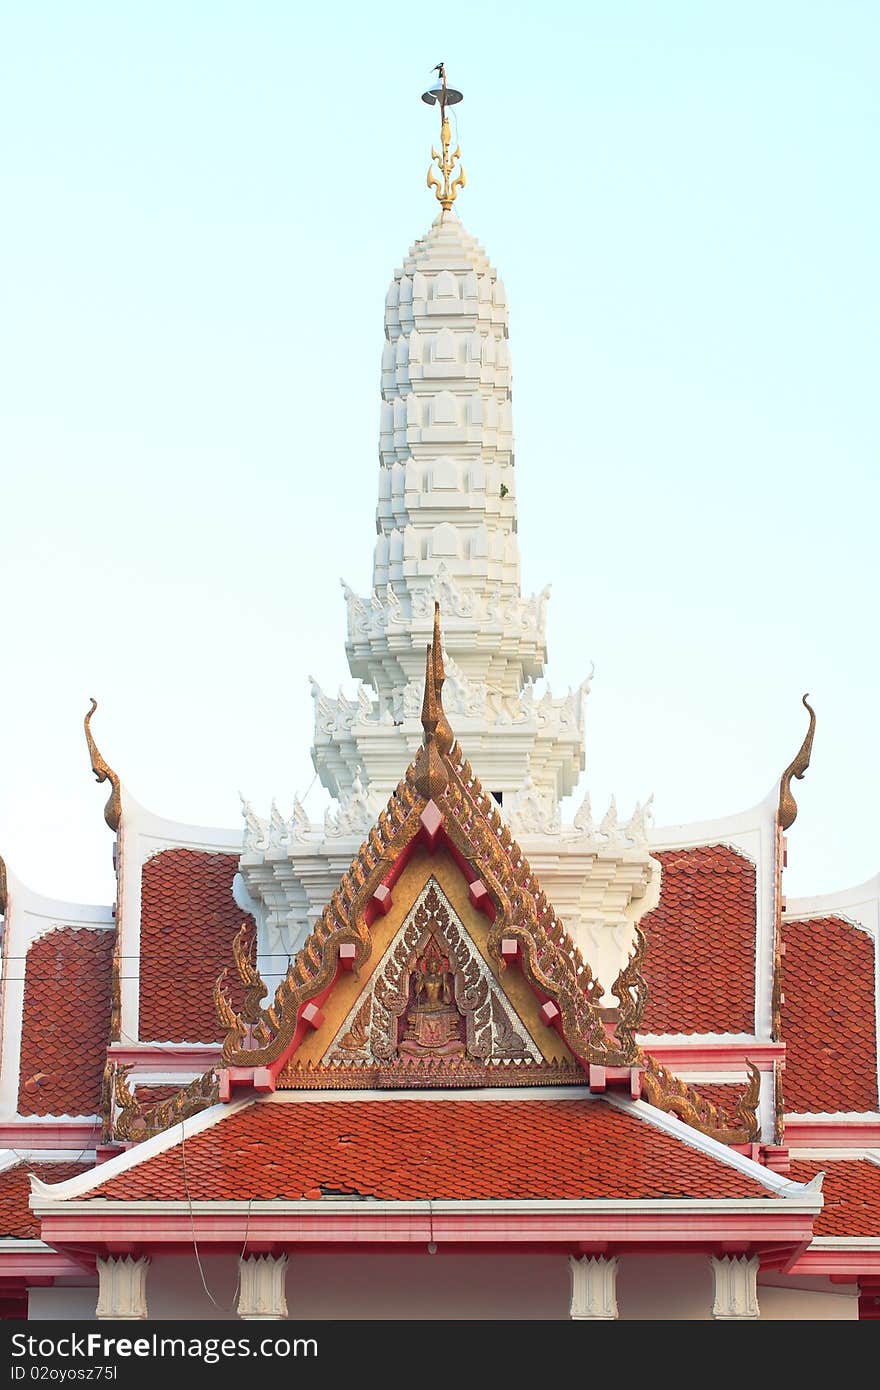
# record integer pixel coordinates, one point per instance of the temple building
(443, 1055)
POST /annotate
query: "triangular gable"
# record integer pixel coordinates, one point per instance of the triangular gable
(432, 998)
(440, 804)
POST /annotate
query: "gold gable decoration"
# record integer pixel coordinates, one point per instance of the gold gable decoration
(104, 773)
(787, 812)
(433, 998)
(549, 959)
(667, 1092)
(440, 778)
(129, 1121)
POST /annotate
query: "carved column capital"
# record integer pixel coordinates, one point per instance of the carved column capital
(736, 1287)
(593, 1287)
(261, 1295)
(122, 1287)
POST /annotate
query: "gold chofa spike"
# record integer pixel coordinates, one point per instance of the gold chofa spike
(104, 773)
(796, 768)
(429, 701)
(443, 732)
(431, 775)
(443, 96)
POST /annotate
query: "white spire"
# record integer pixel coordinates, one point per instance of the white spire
(446, 528)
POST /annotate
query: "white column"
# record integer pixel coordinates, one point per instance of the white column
(261, 1288)
(736, 1287)
(593, 1287)
(122, 1287)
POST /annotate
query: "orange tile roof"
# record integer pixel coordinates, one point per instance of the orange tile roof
(398, 1150)
(852, 1194)
(188, 920)
(700, 966)
(16, 1218)
(154, 1095)
(828, 1017)
(725, 1094)
(65, 1022)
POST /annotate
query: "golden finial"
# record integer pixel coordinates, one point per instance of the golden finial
(104, 773)
(430, 712)
(796, 768)
(431, 776)
(443, 95)
(443, 732)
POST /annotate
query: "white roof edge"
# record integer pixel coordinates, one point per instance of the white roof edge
(22, 898)
(834, 1117)
(137, 819)
(842, 902)
(717, 830)
(703, 1039)
(713, 1148)
(138, 1154)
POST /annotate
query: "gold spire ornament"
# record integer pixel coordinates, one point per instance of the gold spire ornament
(446, 192)
(104, 773)
(796, 768)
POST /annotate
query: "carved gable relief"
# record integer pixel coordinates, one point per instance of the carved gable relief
(432, 996)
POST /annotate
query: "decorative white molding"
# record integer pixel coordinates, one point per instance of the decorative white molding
(593, 1288)
(122, 1287)
(736, 1287)
(261, 1295)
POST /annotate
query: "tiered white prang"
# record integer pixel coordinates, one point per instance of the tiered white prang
(446, 529)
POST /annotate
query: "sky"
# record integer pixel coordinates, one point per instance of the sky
(203, 206)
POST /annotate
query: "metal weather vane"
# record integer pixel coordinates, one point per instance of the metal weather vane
(443, 96)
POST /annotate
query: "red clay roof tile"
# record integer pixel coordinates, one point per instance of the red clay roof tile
(398, 1150)
(188, 921)
(852, 1195)
(16, 1218)
(828, 1017)
(65, 1022)
(700, 966)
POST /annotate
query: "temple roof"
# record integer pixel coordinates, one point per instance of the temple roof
(17, 1221)
(308, 1147)
(829, 1019)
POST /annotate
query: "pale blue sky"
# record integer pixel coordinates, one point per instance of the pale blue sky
(203, 205)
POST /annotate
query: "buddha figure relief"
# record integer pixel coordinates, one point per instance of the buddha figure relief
(432, 1025)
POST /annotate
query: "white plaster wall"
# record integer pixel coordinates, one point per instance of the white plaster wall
(63, 1304)
(455, 1287)
(783, 1298)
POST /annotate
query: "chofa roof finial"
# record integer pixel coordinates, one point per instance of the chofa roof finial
(787, 812)
(104, 773)
(431, 776)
